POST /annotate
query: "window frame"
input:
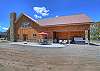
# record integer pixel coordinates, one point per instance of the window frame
(25, 25)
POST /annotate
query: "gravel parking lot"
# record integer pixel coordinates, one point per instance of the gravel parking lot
(72, 58)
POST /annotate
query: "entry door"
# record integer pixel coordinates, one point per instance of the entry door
(25, 37)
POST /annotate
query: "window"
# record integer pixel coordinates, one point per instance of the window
(34, 35)
(25, 25)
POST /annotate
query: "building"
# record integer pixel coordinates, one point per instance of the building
(3, 34)
(25, 28)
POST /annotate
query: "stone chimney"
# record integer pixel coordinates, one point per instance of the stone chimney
(12, 26)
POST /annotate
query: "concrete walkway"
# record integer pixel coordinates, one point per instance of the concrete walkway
(95, 43)
(39, 45)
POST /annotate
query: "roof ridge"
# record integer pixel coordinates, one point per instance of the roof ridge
(30, 17)
(63, 16)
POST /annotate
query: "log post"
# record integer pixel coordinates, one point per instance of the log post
(87, 36)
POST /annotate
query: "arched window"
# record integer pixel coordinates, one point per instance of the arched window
(25, 25)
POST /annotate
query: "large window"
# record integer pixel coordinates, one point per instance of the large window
(25, 25)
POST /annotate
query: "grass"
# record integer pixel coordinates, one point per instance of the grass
(95, 41)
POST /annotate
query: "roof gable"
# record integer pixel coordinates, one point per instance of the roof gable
(23, 18)
(23, 14)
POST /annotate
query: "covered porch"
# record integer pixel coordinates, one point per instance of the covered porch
(69, 33)
(75, 36)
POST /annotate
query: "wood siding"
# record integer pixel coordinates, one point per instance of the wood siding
(34, 29)
(67, 31)
(29, 32)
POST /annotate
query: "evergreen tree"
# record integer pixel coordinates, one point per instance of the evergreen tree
(95, 31)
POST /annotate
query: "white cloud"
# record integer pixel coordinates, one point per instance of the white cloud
(41, 10)
(57, 16)
(37, 17)
(4, 28)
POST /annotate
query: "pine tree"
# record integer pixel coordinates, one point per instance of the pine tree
(95, 31)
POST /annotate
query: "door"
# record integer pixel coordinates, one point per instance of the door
(25, 37)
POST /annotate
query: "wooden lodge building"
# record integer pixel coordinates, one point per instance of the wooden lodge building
(25, 28)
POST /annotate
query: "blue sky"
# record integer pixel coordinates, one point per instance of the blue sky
(39, 9)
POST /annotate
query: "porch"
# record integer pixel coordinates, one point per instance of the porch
(79, 36)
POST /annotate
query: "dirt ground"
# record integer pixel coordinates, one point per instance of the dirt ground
(71, 58)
